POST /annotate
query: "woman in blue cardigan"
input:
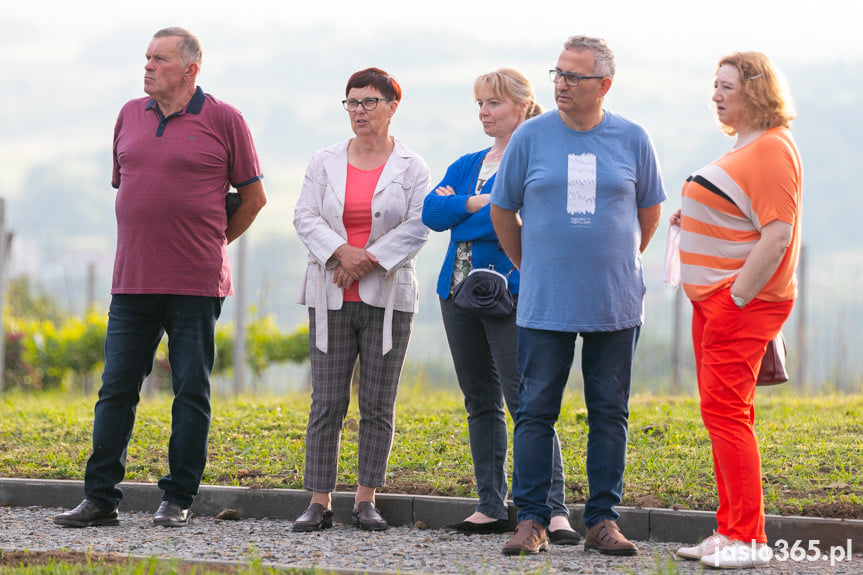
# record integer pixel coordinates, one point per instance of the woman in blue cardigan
(484, 350)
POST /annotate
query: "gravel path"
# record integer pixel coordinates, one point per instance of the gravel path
(402, 549)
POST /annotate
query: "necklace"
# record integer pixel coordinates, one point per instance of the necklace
(494, 155)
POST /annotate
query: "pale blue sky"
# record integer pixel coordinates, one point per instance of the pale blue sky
(47, 46)
(687, 30)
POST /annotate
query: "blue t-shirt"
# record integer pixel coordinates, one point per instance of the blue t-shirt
(579, 193)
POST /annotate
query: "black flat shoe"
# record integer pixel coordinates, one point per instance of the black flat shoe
(314, 518)
(471, 528)
(367, 517)
(563, 537)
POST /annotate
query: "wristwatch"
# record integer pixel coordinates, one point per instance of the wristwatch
(738, 301)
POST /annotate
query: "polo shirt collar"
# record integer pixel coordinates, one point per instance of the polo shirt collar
(196, 103)
(194, 106)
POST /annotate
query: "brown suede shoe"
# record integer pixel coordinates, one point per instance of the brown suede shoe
(529, 539)
(606, 538)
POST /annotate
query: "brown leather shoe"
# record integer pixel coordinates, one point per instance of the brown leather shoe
(606, 538)
(314, 518)
(529, 539)
(367, 517)
(87, 514)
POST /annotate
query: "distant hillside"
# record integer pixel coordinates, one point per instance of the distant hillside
(55, 146)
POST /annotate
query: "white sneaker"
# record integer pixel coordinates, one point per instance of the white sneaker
(739, 555)
(708, 546)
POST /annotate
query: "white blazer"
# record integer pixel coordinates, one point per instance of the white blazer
(397, 234)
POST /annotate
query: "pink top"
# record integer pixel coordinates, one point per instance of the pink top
(357, 217)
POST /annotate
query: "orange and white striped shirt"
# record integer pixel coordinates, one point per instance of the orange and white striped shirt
(725, 205)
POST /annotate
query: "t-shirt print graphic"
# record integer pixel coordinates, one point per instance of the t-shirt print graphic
(581, 187)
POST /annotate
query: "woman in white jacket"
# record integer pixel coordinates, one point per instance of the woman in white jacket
(359, 215)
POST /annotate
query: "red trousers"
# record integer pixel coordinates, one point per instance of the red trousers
(729, 344)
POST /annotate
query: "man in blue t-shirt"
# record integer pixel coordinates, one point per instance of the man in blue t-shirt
(576, 201)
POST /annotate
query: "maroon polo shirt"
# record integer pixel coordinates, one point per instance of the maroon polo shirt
(171, 176)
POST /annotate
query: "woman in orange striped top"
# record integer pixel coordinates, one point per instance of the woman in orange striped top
(739, 246)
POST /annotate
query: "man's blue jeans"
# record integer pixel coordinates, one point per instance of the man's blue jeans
(136, 324)
(545, 359)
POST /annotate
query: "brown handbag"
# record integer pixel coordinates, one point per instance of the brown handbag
(773, 364)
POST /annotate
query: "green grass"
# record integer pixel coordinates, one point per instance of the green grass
(812, 461)
(76, 563)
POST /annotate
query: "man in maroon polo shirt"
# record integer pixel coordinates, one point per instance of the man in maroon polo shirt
(177, 153)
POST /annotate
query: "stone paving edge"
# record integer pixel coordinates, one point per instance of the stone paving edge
(647, 524)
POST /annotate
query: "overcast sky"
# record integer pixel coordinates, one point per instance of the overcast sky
(48, 56)
(54, 57)
(685, 30)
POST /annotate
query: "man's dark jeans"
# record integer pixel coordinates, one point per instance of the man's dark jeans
(545, 359)
(136, 324)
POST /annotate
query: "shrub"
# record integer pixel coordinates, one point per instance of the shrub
(43, 355)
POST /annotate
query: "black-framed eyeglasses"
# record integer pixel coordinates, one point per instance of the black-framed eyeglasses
(570, 78)
(368, 104)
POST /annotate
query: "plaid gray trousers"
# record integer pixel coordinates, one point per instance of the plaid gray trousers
(355, 331)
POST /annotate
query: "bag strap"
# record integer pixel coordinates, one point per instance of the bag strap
(491, 269)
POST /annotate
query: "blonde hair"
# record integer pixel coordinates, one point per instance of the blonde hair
(766, 99)
(509, 84)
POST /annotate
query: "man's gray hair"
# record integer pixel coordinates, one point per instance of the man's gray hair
(189, 46)
(603, 56)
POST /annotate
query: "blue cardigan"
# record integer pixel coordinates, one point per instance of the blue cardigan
(441, 213)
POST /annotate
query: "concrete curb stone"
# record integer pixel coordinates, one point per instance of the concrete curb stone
(648, 524)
